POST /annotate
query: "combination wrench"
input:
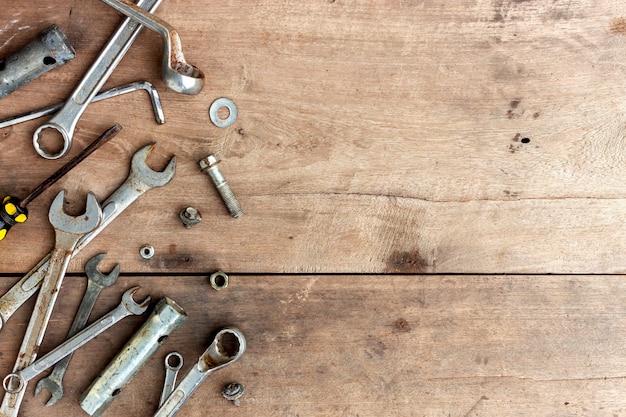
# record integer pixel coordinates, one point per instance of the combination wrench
(213, 359)
(140, 179)
(173, 363)
(96, 282)
(68, 231)
(113, 92)
(16, 381)
(66, 119)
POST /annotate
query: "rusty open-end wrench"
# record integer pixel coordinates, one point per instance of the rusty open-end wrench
(140, 179)
(96, 282)
(68, 231)
(176, 72)
(16, 381)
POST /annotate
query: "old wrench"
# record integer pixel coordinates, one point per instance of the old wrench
(173, 363)
(176, 72)
(141, 179)
(68, 231)
(96, 282)
(113, 92)
(66, 119)
(16, 381)
(213, 359)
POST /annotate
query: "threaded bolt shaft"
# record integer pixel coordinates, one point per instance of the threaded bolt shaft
(209, 165)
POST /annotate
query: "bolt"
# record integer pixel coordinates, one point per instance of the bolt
(209, 165)
(190, 216)
(232, 392)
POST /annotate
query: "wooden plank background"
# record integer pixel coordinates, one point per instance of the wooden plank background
(408, 171)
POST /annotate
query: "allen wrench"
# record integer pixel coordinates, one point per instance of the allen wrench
(113, 92)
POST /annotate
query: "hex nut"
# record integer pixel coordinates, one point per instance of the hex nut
(146, 251)
(218, 280)
(190, 216)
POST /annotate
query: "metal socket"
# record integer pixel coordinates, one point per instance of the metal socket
(209, 165)
(49, 50)
(166, 317)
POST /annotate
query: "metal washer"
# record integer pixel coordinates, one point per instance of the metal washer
(218, 104)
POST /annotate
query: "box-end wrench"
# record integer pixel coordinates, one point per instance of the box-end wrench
(16, 381)
(216, 357)
(159, 116)
(141, 179)
(96, 282)
(173, 363)
(68, 231)
(176, 72)
(66, 119)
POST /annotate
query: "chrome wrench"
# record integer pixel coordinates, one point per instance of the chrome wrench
(113, 92)
(177, 74)
(66, 119)
(68, 231)
(96, 282)
(141, 179)
(213, 359)
(173, 363)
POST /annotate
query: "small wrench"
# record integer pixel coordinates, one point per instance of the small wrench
(177, 74)
(113, 92)
(96, 282)
(173, 363)
(140, 179)
(66, 119)
(212, 360)
(16, 381)
(68, 231)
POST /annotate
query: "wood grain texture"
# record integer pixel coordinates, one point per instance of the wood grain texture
(371, 345)
(368, 133)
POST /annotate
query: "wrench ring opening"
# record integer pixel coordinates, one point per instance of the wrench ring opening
(174, 361)
(9, 383)
(67, 141)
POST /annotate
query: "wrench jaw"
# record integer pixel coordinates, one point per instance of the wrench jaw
(105, 280)
(131, 305)
(75, 224)
(56, 390)
(148, 176)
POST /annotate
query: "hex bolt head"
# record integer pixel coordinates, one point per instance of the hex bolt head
(209, 165)
(233, 392)
(190, 216)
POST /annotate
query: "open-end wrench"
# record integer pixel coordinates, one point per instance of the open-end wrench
(68, 231)
(213, 359)
(96, 282)
(66, 119)
(141, 179)
(173, 363)
(176, 72)
(113, 92)
(16, 381)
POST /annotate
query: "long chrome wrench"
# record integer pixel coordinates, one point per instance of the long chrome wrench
(113, 92)
(68, 230)
(140, 179)
(66, 119)
(16, 381)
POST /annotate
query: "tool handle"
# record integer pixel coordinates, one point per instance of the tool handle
(11, 213)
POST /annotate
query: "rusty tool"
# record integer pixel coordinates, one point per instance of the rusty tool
(13, 210)
(68, 231)
(96, 282)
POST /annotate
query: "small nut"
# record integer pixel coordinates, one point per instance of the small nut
(146, 251)
(233, 392)
(190, 216)
(218, 280)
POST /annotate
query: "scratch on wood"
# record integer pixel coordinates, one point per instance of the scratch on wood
(471, 410)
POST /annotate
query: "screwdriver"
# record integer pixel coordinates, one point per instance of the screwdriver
(13, 210)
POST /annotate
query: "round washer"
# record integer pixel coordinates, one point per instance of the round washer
(146, 251)
(218, 104)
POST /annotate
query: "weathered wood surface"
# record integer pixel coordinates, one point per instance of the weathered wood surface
(371, 345)
(372, 136)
